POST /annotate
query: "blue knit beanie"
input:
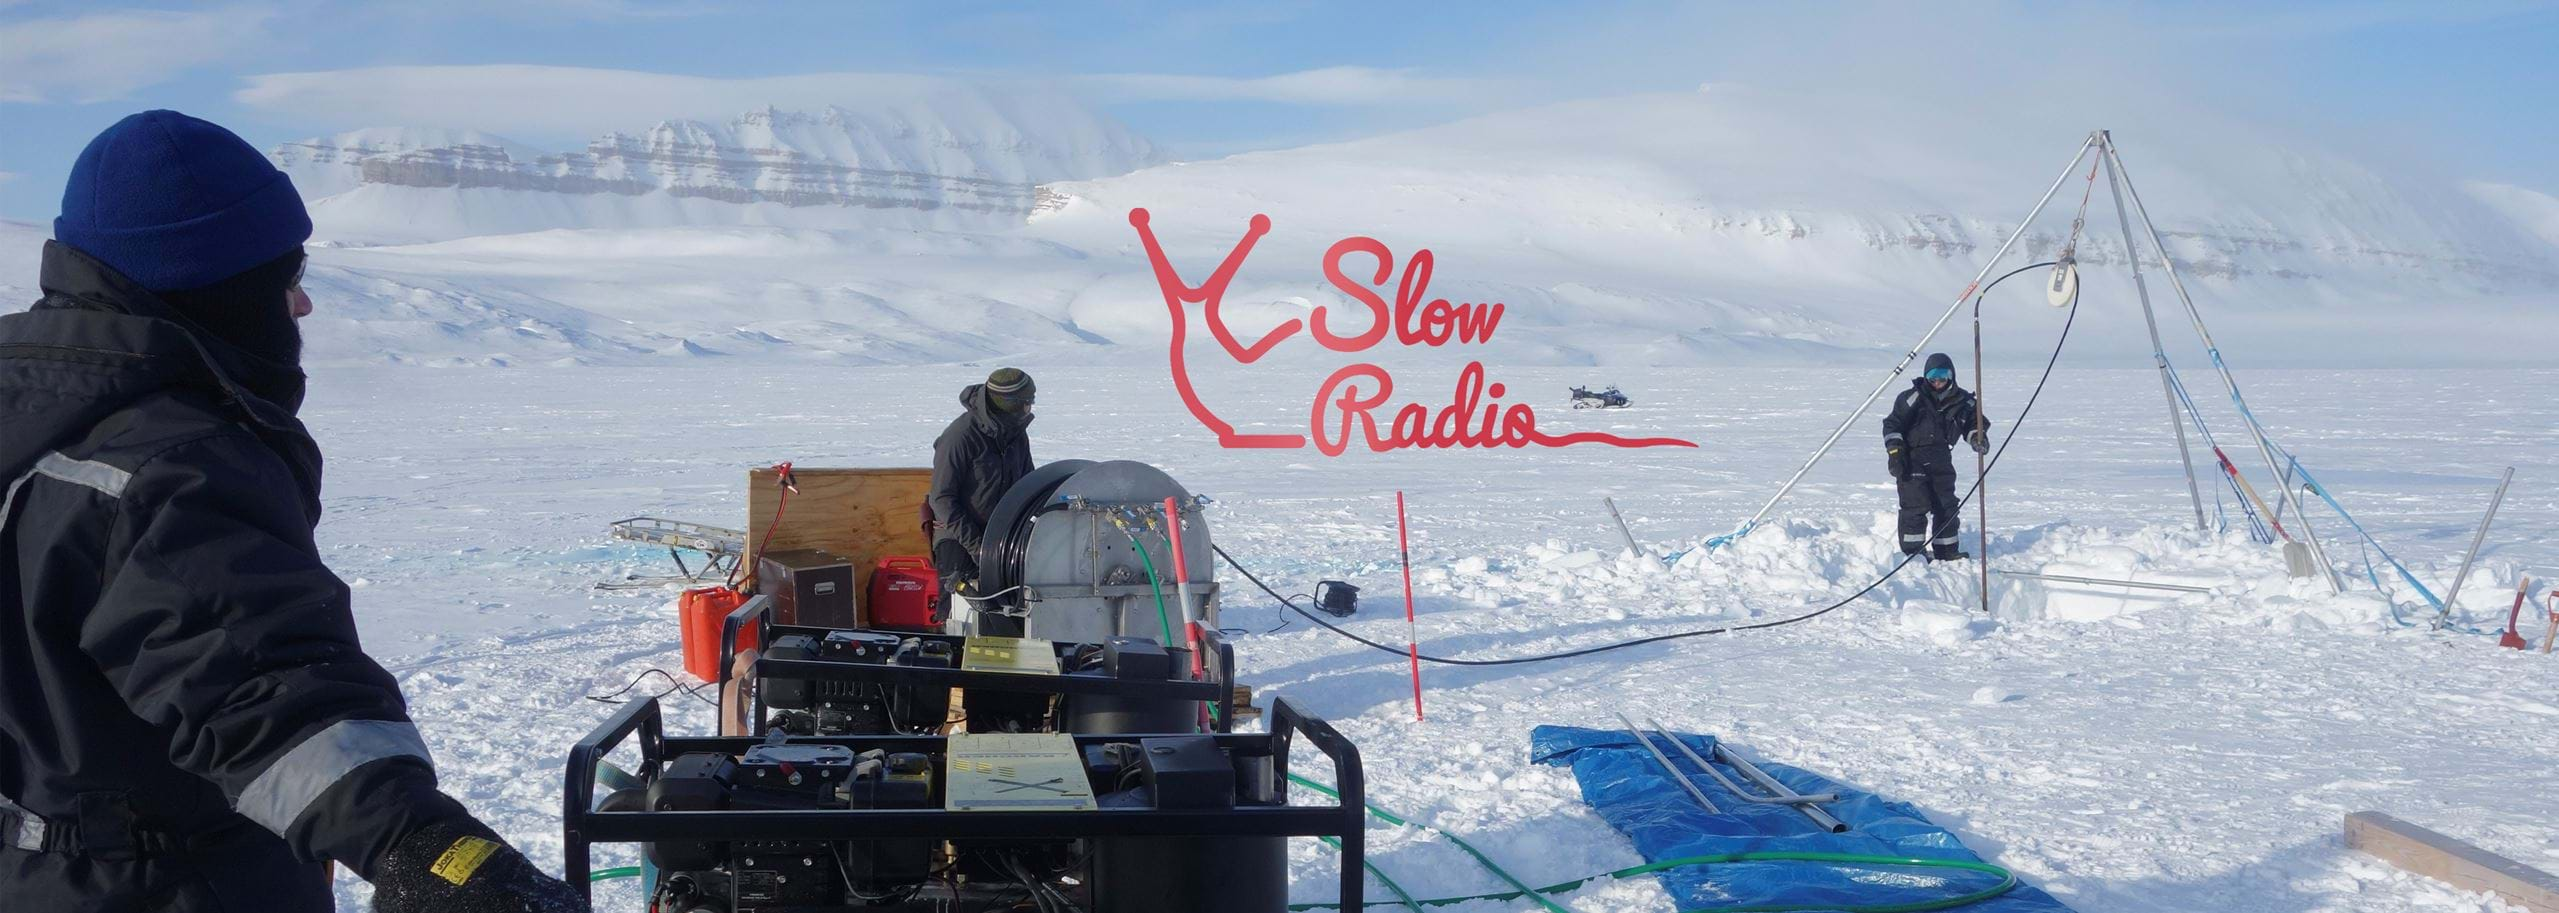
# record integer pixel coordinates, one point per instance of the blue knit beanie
(174, 202)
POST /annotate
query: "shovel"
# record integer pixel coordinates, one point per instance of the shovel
(2511, 639)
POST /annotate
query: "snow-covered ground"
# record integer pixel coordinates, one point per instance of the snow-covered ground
(2181, 754)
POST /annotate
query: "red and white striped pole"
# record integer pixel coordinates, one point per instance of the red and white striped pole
(1182, 591)
(1182, 585)
(1412, 635)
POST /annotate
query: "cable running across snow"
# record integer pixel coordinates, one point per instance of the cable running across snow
(2013, 430)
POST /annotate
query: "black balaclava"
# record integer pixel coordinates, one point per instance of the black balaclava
(248, 310)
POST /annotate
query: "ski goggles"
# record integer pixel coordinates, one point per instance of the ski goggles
(1941, 374)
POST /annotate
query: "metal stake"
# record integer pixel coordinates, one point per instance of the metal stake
(2158, 353)
(1673, 769)
(2475, 539)
(1736, 789)
(1907, 357)
(1783, 795)
(1621, 525)
(1752, 773)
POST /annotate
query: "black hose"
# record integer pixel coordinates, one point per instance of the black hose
(2013, 429)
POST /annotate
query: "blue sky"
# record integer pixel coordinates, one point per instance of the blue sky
(2468, 87)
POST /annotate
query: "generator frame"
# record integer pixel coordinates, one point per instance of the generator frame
(582, 826)
(1218, 690)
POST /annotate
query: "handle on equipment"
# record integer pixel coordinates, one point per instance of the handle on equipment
(760, 609)
(1287, 720)
(577, 797)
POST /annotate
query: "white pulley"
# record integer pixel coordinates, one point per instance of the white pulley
(2064, 284)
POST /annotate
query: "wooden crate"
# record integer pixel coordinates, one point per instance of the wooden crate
(862, 515)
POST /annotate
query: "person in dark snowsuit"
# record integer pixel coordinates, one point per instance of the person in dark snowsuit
(1919, 449)
(975, 461)
(187, 722)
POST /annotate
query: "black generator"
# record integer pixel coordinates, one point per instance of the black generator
(817, 681)
(1129, 823)
(828, 707)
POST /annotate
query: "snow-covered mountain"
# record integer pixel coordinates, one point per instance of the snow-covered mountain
(1726, 225)
(959, 158)
(1732, 222)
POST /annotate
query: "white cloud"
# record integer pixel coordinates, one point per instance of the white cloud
(535, 99)
(106, 56)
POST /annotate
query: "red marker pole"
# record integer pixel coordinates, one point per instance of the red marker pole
(1182, 590)
(1182, 585)
(1412, 636)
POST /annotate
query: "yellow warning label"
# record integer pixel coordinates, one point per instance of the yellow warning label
(462, 859)
(1009, 654)
(1002, 771)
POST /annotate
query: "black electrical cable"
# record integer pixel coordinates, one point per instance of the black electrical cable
(2013, 430)
(673, 685)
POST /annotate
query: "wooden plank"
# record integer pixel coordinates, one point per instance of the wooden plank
(861, 514)
(2451, 861)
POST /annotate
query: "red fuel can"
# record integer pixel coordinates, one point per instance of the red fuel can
(904, 594)
(701, 612)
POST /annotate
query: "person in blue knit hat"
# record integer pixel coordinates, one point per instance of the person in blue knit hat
(187, 722)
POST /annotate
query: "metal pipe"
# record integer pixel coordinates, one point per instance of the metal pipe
(2158, 353)
(2063, 578)
(1673, 769)
(2258, 432)
(1621, 525)
(2475, 539)
(2301, 512)
(1752, 773)
(1789, 798)
(1907, 357)
(1981, 461)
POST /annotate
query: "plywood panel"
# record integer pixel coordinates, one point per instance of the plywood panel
(2459, 864)
(861, 514)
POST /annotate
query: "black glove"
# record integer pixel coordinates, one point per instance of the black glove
(1980, 442)
(955, 563)
(1896, 464)
(462, 867)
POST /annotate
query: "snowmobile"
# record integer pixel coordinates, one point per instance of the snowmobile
(1586, 398)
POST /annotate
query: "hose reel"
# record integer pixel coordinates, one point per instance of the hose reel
(1079, 550)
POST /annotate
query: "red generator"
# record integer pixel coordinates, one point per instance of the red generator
(905, 594)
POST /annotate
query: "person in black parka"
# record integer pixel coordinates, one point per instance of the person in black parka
(187, 722)
(1919, 449)
(975, 461)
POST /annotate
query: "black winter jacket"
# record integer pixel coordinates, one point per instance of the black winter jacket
(179, 672)
(975, 461)
(1925, 419)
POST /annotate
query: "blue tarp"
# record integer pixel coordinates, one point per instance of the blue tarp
(1630, 790)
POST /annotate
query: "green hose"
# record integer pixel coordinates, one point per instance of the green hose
(1163, 618)
(1401, 897)
(2007, 880)
(628, 871)
(1391, 818)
